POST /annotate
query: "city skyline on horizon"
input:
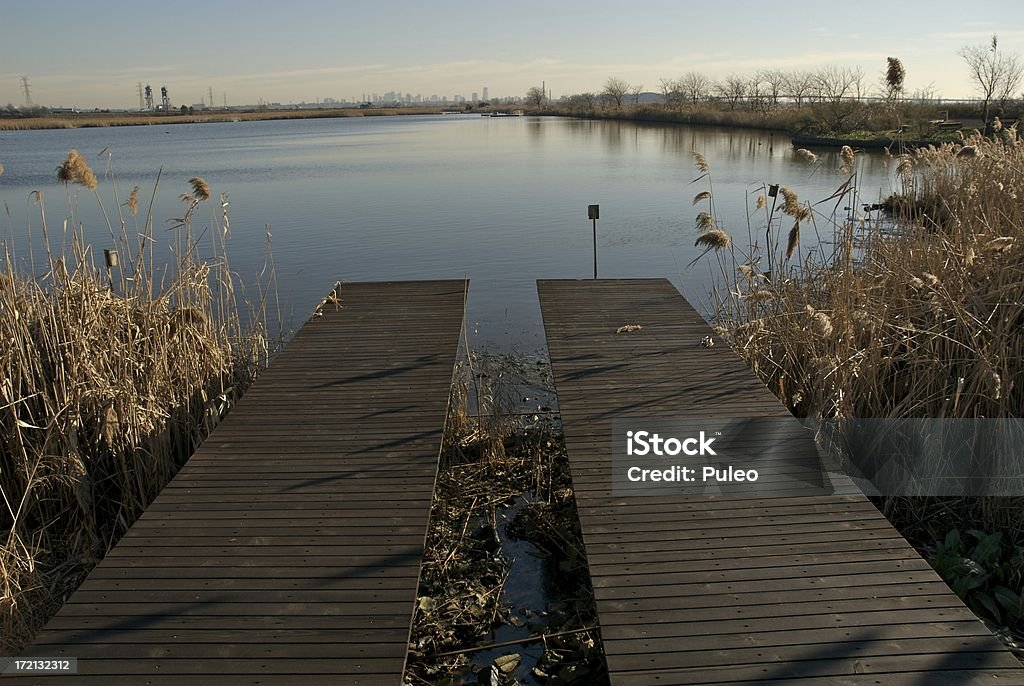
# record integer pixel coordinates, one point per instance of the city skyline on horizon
(262, 52)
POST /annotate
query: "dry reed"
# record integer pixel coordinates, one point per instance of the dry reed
(922, 319)
(107, 384)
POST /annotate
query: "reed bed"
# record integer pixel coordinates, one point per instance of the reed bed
(919, 314)
(109, 379)
(918, 317)
(101, 120)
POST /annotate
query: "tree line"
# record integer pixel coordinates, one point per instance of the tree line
(995, 76)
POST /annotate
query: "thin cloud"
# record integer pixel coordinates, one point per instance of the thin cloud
(315, 72)
(976, 35)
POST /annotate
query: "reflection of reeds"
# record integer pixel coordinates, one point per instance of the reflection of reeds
(105, 390)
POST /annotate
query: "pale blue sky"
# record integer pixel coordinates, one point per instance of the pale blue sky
(93, 54)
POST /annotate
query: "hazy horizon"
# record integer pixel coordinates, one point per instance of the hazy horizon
(78, 55)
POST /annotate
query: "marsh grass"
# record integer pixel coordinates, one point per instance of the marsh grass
(920, 314)
(103, 120)
(109, 379)
(918, 317)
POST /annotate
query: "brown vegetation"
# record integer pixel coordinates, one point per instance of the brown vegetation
(108, 381)
(504, 476)
(917, 316)
(87, 120)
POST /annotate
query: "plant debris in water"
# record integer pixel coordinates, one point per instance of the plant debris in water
(505, 594)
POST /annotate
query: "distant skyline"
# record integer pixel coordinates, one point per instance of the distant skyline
(81, 55)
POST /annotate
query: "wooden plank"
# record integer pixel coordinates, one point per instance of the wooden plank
(287, 550)
(728, 589)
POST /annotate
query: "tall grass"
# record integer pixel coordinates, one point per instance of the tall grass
(921, 315)
(815, 118)
(102, 120)
(109, 379)
(917, 316)
(920, 318)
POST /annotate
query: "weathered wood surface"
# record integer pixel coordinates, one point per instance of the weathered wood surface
(729, 590)
(287, 550)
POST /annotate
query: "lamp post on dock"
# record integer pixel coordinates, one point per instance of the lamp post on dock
(592, 213)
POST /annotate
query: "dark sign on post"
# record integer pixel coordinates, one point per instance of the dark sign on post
(592, 211)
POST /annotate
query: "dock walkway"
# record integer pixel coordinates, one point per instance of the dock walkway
(287, 550)
(722, 589)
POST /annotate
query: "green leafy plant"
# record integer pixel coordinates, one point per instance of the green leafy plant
(983, 572)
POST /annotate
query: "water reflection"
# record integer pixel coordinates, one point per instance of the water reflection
(500, 200)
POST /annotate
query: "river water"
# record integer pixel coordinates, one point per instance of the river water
(501, 200)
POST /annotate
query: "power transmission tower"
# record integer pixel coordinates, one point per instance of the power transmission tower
(141, 101)
(28, 91)
(211, 96)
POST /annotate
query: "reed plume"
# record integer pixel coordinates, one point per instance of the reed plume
(200, 189)
(701, 162)
(75, 169)
(846, 155)
(133, 201)
(807, 155)
(714, 239)
(705, 222)
(794, 240)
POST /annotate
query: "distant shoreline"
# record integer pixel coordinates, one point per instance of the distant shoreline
(103, 119)
(788, 122)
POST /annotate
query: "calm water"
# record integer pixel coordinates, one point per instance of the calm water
(501, 200)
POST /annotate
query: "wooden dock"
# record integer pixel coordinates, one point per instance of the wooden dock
(287, 550)
(730, 590)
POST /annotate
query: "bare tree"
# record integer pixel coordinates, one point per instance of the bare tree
(582, 103)
(800, 86)
(835, 83)
(668, 89)
(775, 81)
(614, 91)
(857, 83)
(536, 96)
(732, 89)
(756, 93)
(996, 75)
(694, 86)
(635, 91)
